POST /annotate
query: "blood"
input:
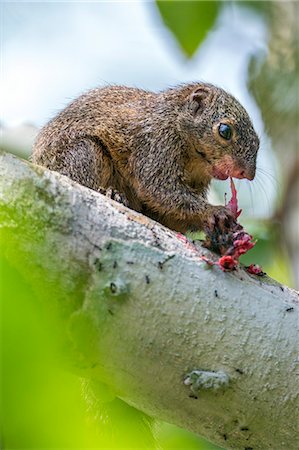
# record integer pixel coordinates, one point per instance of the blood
(254, 269)
(233, 203)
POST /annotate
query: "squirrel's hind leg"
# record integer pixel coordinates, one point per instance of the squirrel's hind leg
(89, 163)
(84, 162)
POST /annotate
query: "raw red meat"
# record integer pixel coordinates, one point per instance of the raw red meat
(231, 243)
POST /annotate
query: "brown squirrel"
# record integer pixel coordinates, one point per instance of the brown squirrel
(159, 151)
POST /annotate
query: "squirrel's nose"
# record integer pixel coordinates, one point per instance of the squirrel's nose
(243, 173)
(250, 175)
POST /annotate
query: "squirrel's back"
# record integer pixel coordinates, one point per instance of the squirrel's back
(102, 112)
(158, 149)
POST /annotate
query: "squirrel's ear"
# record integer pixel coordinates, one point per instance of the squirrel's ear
(198, 99)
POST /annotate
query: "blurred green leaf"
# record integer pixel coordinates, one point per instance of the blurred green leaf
(268, 251)
(41, 404)
(189, 21)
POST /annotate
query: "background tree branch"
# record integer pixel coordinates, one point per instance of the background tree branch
(212, 352)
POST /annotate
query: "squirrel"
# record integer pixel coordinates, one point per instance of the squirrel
(159, 151)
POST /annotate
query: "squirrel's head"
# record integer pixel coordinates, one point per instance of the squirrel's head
(220, 133)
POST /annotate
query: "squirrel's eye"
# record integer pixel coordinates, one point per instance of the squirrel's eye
(225, 131)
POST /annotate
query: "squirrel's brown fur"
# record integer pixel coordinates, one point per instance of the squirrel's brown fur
(159, 150)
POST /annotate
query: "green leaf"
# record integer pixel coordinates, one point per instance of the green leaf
(189, 21)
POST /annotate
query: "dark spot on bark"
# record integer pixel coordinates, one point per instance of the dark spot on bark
(290, 309)
(115, 265)
(147, 279)
(193, 396)
(98, 265)
(161, 263)
(113, 288)
(156, 239)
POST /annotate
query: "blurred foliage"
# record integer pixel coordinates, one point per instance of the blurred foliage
(41, 405)
(189, 21)
(268, 252)
(274, 81)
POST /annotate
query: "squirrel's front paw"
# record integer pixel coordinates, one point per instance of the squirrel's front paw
(115, 195)
(219, 218)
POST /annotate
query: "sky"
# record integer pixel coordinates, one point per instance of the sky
(53, 51)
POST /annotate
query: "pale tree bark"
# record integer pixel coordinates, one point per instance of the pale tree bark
(209, 351)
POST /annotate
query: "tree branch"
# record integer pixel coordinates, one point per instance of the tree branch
(209, 351)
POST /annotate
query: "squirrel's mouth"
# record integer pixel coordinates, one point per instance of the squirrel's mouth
(219, 174)
(228, 167)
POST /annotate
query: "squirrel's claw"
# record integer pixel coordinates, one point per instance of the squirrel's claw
(220, 220)
(114, 195)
